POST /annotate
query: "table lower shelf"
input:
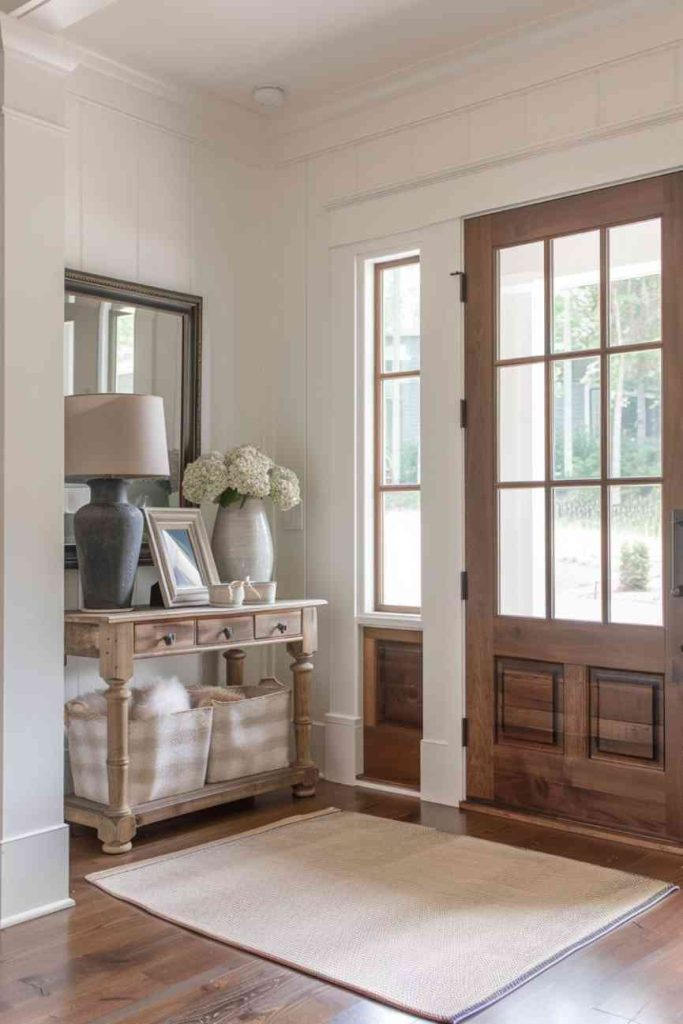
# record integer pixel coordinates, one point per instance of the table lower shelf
(79, 811)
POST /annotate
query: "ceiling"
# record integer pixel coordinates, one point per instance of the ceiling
(318, 50)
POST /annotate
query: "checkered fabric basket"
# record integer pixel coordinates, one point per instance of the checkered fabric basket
(251, 735)
(168, 755)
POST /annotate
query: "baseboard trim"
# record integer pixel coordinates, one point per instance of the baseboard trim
(29, 915)
(34, 879)
(387, 787)
(567, 825)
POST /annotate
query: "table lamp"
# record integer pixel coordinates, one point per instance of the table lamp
(111, 439)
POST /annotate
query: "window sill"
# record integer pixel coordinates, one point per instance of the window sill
(391, 620)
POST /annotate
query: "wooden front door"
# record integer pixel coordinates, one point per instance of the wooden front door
(574, 456)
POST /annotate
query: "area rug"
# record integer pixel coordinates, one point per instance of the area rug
(433, 924)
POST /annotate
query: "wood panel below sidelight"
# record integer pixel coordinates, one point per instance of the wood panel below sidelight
(392, 705)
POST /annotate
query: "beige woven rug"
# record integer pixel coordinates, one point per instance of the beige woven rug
(434, 924)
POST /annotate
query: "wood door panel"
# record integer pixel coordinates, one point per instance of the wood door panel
(627, 717)
(637, 200)
(593, 792)
(581, 719)
(635, 648)
(529, 702)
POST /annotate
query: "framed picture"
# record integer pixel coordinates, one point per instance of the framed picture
(182, 554)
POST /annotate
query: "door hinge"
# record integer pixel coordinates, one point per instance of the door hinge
(464, 732)
(463, 586)
(463, 413)
(463, 283)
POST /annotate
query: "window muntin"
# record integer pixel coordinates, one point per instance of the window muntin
(397, 435)
(578, 465)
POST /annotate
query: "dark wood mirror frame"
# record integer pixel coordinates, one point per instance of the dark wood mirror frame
(189, 307)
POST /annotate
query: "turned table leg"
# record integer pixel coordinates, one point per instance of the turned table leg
(234, 667)
(117, 826)
(302, 669)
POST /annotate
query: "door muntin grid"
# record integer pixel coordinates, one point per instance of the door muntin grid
(578, 426)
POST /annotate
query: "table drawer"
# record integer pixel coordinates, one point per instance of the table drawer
(277, 624)
(153, 637)
(225, 630)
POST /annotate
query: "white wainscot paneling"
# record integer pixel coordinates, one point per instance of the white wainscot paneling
(164, 209)
(497, 128)
(386, 160)
(441, 144)
(332, 176)
(562, 109)
(72, 226)
(109, 202)
(638, 88)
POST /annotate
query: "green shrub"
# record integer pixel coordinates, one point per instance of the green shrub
(634, 566)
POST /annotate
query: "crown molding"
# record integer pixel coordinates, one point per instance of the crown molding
(40, 47)
(56, 15)
(500, 67)
(201, 117)
(157, 87)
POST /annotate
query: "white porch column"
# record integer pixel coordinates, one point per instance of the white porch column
(33, 836)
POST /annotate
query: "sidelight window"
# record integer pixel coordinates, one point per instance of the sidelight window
(397, 435)
(578, 407)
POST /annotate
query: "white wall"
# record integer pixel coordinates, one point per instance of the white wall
(33, 837)
(102, 170)
(163, 193)
(591, 104)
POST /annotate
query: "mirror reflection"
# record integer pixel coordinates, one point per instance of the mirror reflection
(112, 346)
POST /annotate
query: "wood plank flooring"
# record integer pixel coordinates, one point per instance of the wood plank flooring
(105, 962)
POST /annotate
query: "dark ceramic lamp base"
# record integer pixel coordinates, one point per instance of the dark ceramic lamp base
(108, 534)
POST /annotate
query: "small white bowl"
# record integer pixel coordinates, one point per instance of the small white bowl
(229, 595)
(260, 593)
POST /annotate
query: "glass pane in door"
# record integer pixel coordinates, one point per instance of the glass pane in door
(576, 419)
(521, 301)
(577, 571)
(636, 554)
(576, 292)
(521, 423)
(521, 554)
(635, 399)
(635, 283)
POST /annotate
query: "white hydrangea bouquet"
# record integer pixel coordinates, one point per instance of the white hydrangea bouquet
(243, 472)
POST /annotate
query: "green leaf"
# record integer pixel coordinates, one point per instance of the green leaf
(229, 497)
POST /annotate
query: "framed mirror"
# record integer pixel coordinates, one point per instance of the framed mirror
(132, 338)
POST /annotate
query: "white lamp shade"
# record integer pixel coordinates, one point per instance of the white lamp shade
(115, 435)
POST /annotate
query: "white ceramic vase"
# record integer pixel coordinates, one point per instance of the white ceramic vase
(242, 542)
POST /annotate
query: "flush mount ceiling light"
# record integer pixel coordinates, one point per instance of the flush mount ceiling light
(269, 96)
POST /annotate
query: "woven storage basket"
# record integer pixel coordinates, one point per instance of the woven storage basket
(251, 735)
(167, 755)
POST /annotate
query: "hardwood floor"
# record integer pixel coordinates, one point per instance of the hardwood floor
(105, 962)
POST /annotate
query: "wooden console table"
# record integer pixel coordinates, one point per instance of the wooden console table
(118, 639)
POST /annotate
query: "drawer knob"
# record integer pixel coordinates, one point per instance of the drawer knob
(169, 639)
(227, 632)
(281, 627)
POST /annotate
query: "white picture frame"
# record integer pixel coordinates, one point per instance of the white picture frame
(182, 554)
